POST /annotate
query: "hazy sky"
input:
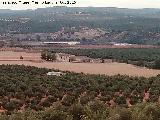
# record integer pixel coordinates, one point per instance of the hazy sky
(85, 3)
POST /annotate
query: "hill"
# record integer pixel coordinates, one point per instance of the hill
(140, 26)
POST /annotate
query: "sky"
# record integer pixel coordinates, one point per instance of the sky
(83, 3)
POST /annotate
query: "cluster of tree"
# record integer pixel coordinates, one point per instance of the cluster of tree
(146, 57)
(29, 88)
(48, 56)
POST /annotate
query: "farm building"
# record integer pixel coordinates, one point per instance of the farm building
(108, 61)
(62, 57)
(80, 59)
(55, 73)
(96, 61)
(67, 43)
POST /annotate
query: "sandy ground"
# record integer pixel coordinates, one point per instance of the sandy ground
(8, 57)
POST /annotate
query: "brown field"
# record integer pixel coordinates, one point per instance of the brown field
(91, 68)
(33, 59)
(15, 56)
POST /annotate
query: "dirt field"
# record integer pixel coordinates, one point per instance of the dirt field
(8, 57)
(12, 56)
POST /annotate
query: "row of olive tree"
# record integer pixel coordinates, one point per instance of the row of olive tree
(91, 111)
(23, 88)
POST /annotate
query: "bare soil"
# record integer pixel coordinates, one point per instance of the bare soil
(33, 59)
(10, 55)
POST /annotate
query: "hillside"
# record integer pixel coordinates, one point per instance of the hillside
(140, 26)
